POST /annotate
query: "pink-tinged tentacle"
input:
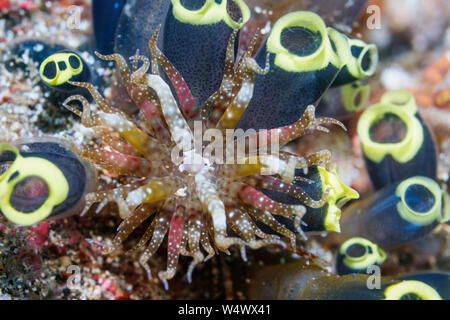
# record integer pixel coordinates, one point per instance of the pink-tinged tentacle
(174, 240)
(259, 200)
(120, 123)
(173, 117)
(307, 122)
(140, 93)
(153, 117)
(180, 131)
(116, 162)
(145, 144)
(144, 98)
(187, 102)
(119, 162)
(149, 110)
(286, 134)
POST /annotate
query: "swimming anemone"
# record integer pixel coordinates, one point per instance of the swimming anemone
(182, 183)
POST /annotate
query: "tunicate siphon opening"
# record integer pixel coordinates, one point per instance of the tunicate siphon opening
(419, 199)
(410, 296)
(356, 250)
(234, 11)
(29, 194)
(74, 62)
(366, 61)
(193, 4)
(358, 99)
(50, 70)
(389, 129)
(300, 41)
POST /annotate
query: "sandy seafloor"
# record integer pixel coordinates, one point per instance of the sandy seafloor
(34, 261)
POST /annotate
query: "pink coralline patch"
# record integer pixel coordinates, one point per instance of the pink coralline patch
(38, 236)
(122, 296)
(4, 5)
(91, 246)
(74, 238)
(110, 287)
(28, 5)
(24, 29)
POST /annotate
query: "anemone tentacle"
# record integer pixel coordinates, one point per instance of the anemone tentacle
(195, 204)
